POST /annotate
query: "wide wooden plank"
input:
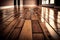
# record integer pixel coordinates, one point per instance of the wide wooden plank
(34, 17)
(14, 35)
(26, 33)
(21, 23)
(38, 37)
(36, 27)
(51, 31)
(7, 22)
(8, 17)
(28, 15)
(8, 28)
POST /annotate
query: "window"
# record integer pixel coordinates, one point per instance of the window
(51, 1)
(45, 1)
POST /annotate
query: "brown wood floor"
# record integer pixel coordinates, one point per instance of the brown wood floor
(23, 26)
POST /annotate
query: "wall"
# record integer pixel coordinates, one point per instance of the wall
(29, 2)
(6, 2)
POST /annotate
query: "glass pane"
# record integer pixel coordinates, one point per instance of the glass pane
(51, 1)
(45, 1)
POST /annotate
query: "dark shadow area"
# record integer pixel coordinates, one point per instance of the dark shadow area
(1, 25)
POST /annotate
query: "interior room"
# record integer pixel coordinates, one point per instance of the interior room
(29, 19)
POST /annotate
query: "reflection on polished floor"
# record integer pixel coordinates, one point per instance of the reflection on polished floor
(38, 23)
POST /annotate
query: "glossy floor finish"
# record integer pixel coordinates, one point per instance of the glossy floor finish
(37, 23)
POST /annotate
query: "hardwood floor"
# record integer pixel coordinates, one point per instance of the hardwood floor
(27, 25)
